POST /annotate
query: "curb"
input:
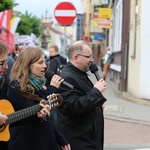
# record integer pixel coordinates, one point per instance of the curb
(125, 119)
(127, 147)
(130, 97)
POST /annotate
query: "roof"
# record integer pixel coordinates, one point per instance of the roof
(49, 25)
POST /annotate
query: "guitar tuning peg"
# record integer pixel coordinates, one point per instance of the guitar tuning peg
(48, 96)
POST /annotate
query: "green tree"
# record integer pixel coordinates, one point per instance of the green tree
(7, 4)
(29, 24)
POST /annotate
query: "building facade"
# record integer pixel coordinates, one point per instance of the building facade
(138, 74)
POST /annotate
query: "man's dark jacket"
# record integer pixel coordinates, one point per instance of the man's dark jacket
(80, 117)
(55, 61)
(3, 95)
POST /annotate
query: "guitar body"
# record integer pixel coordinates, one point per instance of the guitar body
(6, 108)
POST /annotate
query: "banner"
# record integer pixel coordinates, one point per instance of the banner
(5, 30)
(13, 24)
(5, 17)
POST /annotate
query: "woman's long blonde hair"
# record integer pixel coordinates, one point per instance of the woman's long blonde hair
(21, 68)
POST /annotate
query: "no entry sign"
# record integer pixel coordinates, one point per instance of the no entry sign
(65, 13)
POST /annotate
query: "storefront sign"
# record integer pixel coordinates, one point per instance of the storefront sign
(105, 13)
(103, 23)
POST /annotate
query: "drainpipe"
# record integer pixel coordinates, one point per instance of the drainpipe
(110, 4)
(135, 32)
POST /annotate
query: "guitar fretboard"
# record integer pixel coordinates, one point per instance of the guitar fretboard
(27, 112)
(24, 113)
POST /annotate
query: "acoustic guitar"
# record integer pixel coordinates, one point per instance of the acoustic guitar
(6, 108)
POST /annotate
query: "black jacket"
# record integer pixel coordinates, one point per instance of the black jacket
(33, 133)
(3, 96)
(80, 116)
(5, 77)
(53, 65)
(3, 91)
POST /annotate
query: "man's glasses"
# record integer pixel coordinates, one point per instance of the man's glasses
(3, 63)
(90, 56)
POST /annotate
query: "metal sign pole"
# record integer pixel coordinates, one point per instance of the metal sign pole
(65, 38)
(65, 13)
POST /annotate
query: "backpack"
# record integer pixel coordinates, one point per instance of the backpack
(60, 66)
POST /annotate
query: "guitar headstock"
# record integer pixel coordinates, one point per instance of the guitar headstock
(54, 100)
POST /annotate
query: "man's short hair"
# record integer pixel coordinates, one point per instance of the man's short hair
(77, 47)
(55, 47)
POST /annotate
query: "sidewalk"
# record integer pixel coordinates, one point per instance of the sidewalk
(127, 120)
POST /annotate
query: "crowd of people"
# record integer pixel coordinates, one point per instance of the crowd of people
(79, 124)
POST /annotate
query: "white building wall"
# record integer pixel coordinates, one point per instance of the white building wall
(138, 69)
(144, 64)
(134, 51)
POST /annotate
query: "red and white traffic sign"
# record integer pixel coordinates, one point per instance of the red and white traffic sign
(65, 13)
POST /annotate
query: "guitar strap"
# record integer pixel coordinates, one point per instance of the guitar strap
(25, 94)
(1, 82)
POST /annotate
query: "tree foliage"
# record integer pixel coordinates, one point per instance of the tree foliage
(7, 4)
(29, 24)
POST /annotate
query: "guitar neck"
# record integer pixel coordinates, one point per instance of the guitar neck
(24, 113)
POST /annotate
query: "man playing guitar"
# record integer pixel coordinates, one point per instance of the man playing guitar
(3, 67)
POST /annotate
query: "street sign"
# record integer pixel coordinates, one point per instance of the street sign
(65, 13)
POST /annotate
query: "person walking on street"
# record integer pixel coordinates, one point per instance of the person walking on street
(37, 131)
(56, 60)
(107, 60)
(80, 116)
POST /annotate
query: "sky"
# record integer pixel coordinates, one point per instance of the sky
(39, 7)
